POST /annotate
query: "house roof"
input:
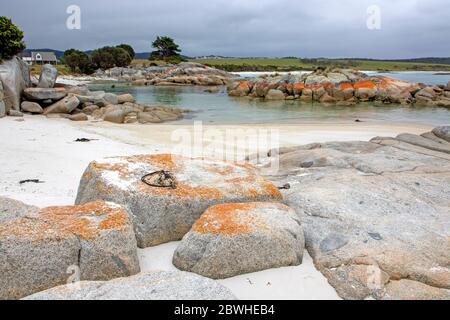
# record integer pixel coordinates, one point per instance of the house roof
(46, 56)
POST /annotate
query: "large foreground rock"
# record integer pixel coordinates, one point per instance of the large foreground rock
(163, 214)
(41, 249)
(233, 239)
(48, 76)
(15, 77)
(160, 285)
(375, 213)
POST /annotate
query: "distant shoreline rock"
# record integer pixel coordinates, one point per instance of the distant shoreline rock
(185, 73)
(341, 87)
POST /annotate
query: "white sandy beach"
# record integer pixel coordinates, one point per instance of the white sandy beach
(44, 149)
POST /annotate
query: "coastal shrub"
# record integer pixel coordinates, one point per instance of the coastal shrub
(78, 61)
(166, 49)
(128, 49)
(109, 57)
(11, 39)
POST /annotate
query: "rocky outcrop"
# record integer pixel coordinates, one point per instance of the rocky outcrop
(166, 194)
(15, 77)
(48, 76)
(160, 285)
(375, 214)
(234, 239)
(44, 248)
(343, 87)
(185, 73)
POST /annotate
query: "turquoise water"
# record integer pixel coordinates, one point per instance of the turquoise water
(219, 108)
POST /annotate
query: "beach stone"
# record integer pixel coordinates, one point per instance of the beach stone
(78, 117)
(42, 94)
(15, 77)
(111, 98)
(148, 117)
(40, 250)
(166, 212)
(443, 133)
(275, 94)
(373, 211)
(15, 113)
(115, 116)
(157, 285)
(48, 76)
(89, 110)
(66, 105)
(234, 239)
(123, 98)
(31, 107)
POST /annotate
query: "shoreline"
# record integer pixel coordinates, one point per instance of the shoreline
(44, 149)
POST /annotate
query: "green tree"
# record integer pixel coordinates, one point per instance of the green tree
(128, 49)
(78, 61)
(11, 39)
(166, 49)
(109, 57)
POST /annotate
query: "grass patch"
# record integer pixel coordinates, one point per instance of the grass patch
(291, 64)
(63, 70)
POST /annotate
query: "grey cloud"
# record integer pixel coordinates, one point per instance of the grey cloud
(326, 28)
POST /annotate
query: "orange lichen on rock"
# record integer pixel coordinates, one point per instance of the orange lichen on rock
(299, 86)
(85, 221)
(229, 219)
(365, 85)
(121, 168)
(163, 161)
(272, 190)
(183, 190)
(345, 86)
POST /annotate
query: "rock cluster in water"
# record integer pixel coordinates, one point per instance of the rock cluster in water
(185, 73)
(45, 97)
(341, 87)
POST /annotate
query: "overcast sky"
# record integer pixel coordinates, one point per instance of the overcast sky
(319, 28)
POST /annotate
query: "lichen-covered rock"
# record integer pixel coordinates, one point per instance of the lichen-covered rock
(40, 249)
(160, 285)
(167, 210)
(339, 86)
(234, 239)
(374, 212)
